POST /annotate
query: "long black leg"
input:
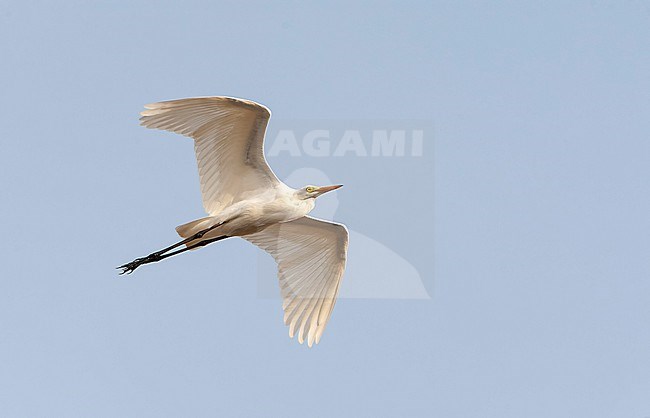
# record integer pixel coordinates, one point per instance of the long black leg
(191, 247)
(128, 268)
(198, 235)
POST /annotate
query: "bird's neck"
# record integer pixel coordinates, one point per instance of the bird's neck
(308, 205)
(301, 206)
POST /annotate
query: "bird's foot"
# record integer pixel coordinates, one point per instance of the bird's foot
(129, 268)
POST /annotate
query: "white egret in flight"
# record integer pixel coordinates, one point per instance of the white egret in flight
(244, 198)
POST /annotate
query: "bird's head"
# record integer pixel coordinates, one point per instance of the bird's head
(312, 192)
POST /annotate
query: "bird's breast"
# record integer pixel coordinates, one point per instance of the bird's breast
(285, 210)
(253, 216)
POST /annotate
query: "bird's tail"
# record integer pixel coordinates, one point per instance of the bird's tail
(191, 228)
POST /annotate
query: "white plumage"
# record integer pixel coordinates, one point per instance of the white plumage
(243, 197)
(311, 257)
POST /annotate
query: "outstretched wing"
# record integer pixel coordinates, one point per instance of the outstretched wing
(311, 256)
(228, 138)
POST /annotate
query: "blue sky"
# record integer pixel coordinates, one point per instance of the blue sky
(525, 219)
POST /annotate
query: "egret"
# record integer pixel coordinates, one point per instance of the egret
(244, 198)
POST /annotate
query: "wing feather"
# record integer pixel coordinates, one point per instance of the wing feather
(311, 255)
(228, 138)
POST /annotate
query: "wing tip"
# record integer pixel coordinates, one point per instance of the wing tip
(233, 100)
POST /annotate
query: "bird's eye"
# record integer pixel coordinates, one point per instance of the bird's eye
(310, 189)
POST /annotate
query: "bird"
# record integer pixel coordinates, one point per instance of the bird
(244, 198)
